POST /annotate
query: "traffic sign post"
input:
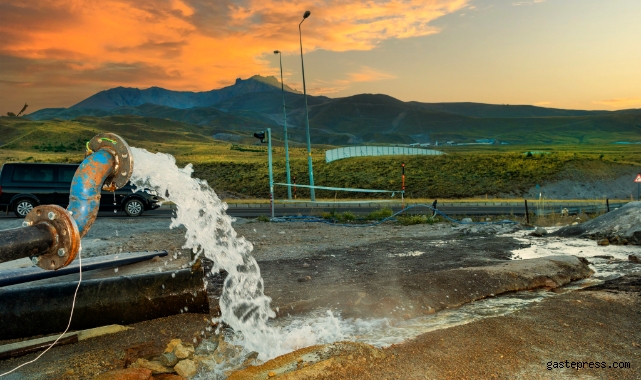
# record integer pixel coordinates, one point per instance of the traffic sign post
(638, 182)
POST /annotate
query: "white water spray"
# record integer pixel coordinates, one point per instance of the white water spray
(243, 304)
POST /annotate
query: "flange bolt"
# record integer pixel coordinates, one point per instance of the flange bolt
(51, 215)
(61, 252)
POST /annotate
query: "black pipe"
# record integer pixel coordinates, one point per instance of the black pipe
(36, 309)
(23, 242)
(33, 273)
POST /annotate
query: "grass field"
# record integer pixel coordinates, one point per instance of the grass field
(464, 172)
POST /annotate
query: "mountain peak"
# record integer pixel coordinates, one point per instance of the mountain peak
(133, 97)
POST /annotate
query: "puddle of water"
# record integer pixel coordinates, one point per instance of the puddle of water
(605, 268)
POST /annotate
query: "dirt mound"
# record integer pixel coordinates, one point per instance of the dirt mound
(620, 226)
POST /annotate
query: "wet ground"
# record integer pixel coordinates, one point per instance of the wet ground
(400, 272)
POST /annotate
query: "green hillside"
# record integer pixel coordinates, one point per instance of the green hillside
(241, 168)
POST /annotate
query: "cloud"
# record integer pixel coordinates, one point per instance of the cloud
(519, 3)
(620, 103)
(190, 44)
(364, 74)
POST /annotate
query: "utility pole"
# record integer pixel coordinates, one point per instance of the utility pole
(309, 144)
(282, 90)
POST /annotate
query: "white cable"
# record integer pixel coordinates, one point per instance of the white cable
(73, 305)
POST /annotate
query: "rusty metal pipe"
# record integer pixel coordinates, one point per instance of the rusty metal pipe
(25, 241)
(108, 166)
(84, 199)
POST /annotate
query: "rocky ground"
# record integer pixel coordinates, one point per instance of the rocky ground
(307, 266)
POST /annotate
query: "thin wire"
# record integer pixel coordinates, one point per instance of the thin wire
(73, 306)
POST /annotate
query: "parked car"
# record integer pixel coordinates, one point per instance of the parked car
(24, 186)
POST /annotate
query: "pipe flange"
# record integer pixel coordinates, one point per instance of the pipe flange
(124, 160)
(64, 230)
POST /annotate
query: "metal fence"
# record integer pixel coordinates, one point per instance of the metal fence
(361, 151)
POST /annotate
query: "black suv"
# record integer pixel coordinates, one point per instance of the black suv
(24, 186)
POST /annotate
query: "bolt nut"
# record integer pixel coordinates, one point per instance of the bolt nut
(26, 224)
(61, 252)
(51, 215)
(35, 260)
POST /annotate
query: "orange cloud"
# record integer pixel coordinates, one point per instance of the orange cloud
(620, 103)
(189, 44)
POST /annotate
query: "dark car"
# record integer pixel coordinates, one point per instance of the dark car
(24, 186)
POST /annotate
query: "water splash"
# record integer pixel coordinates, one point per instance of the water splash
(243, 304)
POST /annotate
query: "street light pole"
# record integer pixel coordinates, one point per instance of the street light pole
(282, 90)
(309, 143)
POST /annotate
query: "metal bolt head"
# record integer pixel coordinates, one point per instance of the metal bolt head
(51, 215)
(61, 252)
(35, 260)
(26, 224)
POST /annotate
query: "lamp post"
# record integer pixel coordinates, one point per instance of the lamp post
(282, 90)
(309, 143)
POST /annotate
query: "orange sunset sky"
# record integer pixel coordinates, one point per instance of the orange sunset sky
(582, 54)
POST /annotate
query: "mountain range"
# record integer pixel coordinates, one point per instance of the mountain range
(256, 103)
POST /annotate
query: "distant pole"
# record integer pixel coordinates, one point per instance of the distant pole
(607, 204)
(282, 90)
(309, 143)
(294, 187)
(271, 174)
(403, 186)
(527, 213)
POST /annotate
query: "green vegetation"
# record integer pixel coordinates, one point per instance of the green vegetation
(408, 220)
(465, 171)
(262, 218)
(380, 214)
(342, 217)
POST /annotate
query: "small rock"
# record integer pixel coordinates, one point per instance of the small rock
(466, 220)
(168, 376)
(126, 374)
(155, 366)
(539, 232)
(183, 351)
(172, 343)
(272, 374)
(305, 279)
(305, 265)
(169, 359)
(186, 368)
(634, 259)
(603, 242)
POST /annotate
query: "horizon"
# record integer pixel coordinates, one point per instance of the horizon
(338, 97)
(572, 54)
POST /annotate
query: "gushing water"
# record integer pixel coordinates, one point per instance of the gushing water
(243, 304)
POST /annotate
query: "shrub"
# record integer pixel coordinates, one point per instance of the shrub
(380, 214)
(417, 219)
(346, 216)
(263, 218)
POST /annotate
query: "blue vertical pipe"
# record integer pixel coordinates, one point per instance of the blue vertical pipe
(84, 199)
(271, 172)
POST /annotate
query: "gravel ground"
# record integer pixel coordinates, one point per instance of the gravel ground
(352, 259)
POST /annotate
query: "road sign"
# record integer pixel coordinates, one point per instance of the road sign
(638, 179)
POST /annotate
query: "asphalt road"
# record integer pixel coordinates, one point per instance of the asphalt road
(280, 210)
